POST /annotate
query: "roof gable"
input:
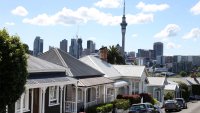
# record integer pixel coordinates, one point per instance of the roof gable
(130, 70)
(36, 65)
(101, 66)
(156, 81)
(76, 67)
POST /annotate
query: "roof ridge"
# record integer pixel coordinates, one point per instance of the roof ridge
(96, 65)
(60, 58)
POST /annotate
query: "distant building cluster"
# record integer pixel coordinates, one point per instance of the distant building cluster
(75, 48)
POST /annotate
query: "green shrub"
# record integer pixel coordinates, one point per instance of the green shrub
(168, 96)
(104, 108)
(122, 104)
(155, 101)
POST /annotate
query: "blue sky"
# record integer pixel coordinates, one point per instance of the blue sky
(176, 23)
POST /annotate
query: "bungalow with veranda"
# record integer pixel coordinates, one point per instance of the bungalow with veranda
(128, 79)
(45, 86)
(156, 87)
(93, 87)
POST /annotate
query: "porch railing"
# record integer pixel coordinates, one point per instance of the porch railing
(70, 106)
(110, 98)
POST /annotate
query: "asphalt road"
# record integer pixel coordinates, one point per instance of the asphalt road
(193, 107)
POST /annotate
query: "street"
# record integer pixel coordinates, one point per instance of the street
(193, 107)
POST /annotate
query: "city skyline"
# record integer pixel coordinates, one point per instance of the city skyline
(175, 23)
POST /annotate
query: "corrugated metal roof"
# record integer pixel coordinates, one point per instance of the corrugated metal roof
(182, 79)
(101, 66)
(76, 67)
(170, 87)
(130, 70)
(49, 81)
(38, 65)
(85, 82)
(156, 81)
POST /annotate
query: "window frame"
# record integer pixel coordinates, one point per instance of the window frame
(54, 101)
(25, 100)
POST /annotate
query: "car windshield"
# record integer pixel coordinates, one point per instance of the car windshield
(180, 101)
(138, 107)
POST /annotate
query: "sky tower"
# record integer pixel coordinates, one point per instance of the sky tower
(123, 30)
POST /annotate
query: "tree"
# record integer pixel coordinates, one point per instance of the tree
(183, 73)
(168, 96)
(13, 69)
(184, 90)
(114, 56)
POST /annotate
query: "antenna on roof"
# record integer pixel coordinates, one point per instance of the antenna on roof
(77, 31)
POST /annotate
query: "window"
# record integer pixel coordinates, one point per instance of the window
(25, 103)
(79, 95)
(53, 95)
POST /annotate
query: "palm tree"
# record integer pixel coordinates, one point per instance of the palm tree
(114, 56)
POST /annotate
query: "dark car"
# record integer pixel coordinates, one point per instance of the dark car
(172, 105)
(181, 102)
(143, 108)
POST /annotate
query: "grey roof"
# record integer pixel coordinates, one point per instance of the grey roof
(130, 70)
(156, 81)
(101, 66)
(38, 65)
(182, 79)
(76, 67)
(49, 81)
(94, 81)
(172, 87)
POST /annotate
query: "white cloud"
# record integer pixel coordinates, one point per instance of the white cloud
(171, 45)
(140, 18)
(20, 11)
(108, 3)
(193, 34)
(9, 23)
(83, 15)
(196, 9)
(151, 7)
(169, 31)
(134, 35)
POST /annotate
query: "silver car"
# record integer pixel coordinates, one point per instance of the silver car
(172, 105)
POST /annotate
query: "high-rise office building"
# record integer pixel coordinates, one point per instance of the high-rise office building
(73, 48)
(76, 48)
(64, 45)
(91, 46)
(123, 30)
(80, 48)
(37, 46)
(158, 49)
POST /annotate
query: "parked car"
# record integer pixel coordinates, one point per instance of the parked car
(172, 105)
(143, 108)
(181, 102)
(194, 97)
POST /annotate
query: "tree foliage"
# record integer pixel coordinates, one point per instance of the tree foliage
(184, 90)
(13, 69)
(183, 73)
(114, 56)
(168, 96)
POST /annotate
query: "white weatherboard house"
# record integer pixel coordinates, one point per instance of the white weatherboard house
(156, 87)
(128, 79)
(136, 76)
(173, 88)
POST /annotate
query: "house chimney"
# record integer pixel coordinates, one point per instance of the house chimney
(103, 53)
